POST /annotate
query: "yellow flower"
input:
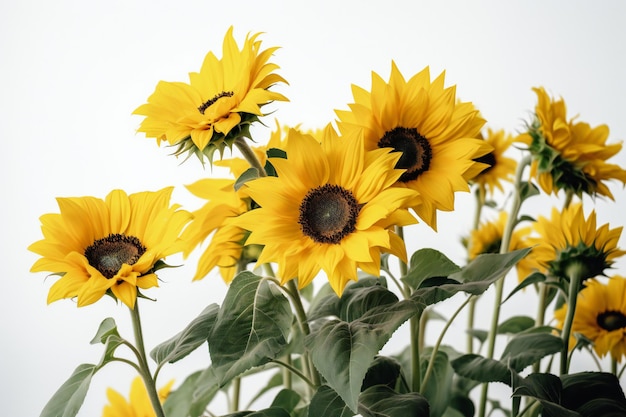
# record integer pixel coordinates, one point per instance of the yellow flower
(226, 247)
(600, 316)
(219, 103)
(138, 405)
(108, 246)
(568, 238)
(500, 167)
(330, 208)
(569, 155)
(435, 135)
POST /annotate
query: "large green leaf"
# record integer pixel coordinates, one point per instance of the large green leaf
(343, 351)
(481, 369)
(327, 403)
(252, 326)
(287, 399)
(191, 398)
(527, 348)
(441, 376)
(382, 401)
(187, 340)
(268, 412)
(428, 263)
(515, 324)
(70, 396)
(594, 394)
(475, 278)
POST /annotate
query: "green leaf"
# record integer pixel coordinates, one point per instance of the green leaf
(481, 369)
(383, 371)
(268, 412)
(515, 324)
(440, 376)
(428, 263)
(527, 348)
(534, 278)
(191, 398)
(185, 342)
(111, 344)
(248, 175)
(252, 326)
(343, 351)
(106, 328)
(327, 403)
(545, 388)
(475, 278)
(68, 399)
(581, 389)
(382, 401)
(286, 399)
(527, 190)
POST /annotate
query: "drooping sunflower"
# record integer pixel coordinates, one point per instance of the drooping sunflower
(600, 316)
(108, 246)
(331, 207)
(488, 237)
(567, 238)
(435, 135)
(500, 168)
(138, 403)
(569, 155)
(219, 103)
(226, 248)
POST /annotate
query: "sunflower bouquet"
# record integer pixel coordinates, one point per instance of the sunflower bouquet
(310, 233)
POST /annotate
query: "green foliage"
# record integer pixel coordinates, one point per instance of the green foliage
(70, 396)
(380, 400)
(428, 263)
(191, 398)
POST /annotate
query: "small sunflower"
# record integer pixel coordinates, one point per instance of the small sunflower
(138, 404)
(108, 246)
(219, 103)
(226, 247)
(435, 135)
(331, 208)
(600, 316)
(500, 168)
(567, 238)
(569, 155)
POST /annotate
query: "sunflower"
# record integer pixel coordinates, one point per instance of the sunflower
(219, 103)
(138, 404)
(500, 168)
(569, 155)
(226, 247)
(330, 208)
(435, 135)
(108, 246)
(568, 238)
(600, 316)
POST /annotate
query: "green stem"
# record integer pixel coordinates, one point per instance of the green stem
(236, 394)
(541, 315)
(499, 285)
(249, 155)
(296, 371)
(471, 312)
(575, 272)
(431, 362)
(416, 372)
(144, 369)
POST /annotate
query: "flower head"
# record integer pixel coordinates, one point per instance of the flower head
(330, 208)
(500, 168)
(108, 246)
(435, 135)
(567, 238)
(600, 316)
(138, 404)
(569, 155)
(219, 103)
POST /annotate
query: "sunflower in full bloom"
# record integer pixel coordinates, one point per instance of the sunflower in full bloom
(569, 155)
(568, 239)
(226, 248)
(108, 246)
(435, 135)
(219, 103)
(600, 316)
(138, 404)
(500, 168)
(331, 207)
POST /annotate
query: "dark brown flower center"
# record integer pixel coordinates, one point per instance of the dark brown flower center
(415, 149)
(611, 320)
(202, 108)
(108, 255)
(328, 213)
(489, 159)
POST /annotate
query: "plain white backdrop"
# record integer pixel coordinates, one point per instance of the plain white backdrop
(73, 71)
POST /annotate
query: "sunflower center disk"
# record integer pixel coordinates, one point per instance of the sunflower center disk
(202, 108)
(489, 159)
(612, 320)
(328, 213)
(108, 255)
(415, 149)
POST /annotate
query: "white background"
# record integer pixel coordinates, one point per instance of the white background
(73, 71)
